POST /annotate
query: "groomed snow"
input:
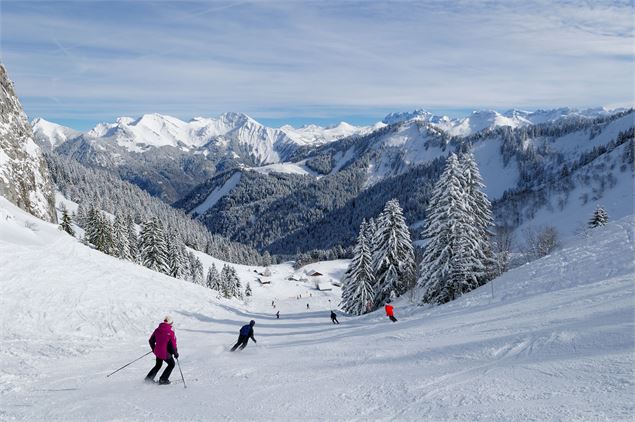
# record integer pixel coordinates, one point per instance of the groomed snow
(554, 343)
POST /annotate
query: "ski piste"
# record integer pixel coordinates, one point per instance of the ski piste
(554, 343)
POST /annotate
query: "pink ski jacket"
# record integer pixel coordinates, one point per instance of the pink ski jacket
(163, 341)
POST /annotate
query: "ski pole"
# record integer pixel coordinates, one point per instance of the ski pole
(128, 364)
(179, 363)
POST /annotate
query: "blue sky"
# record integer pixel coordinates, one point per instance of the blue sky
(79, 63)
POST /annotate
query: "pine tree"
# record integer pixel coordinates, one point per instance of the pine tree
(152, 247)
(196, 269)
(393, 261)
(213, 278)
(480, 208)
(449, 267)
(175, 258)
(600, 218)
(133, 239)
(101, 234)
(66, 223)
(225, 282)
(238, 290)
(248, 292)
(121, 247)
(357, 285)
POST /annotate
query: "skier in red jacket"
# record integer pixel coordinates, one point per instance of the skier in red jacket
(390, 312)
(163, 344)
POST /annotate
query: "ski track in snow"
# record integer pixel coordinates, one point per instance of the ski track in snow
(554, 343)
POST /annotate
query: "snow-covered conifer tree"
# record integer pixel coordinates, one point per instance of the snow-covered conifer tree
(196, 269)
(213, 278)
(175, 258)
(449, 267)
(393, 261)
(133, 239)
(600, 218)
(101, 233)
(66, 223)
(357, 285)
(152, 247)
(225, 282)
(121, 246)
(238, 289)
(481, 212)
(248, 291)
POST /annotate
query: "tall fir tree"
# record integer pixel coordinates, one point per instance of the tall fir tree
(238, 288)
(196, 269)
(600, 218)
(101, 233)
(480, 209)
(248, 292)
(66, 223)
(357, 285)
(121, 245)
(152, 246)
(449, 266)
(225, 282)
(393, 260)
(213, 278)
(175, 258)
(133, 239)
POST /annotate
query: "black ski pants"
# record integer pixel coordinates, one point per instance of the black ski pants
(166, 373)
(242, 342)
(392, 318)
(335, 321)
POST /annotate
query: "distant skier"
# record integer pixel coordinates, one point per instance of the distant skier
(163, 344)
(278, 315)
(246, 333)
(334, 318)
(307, 306)
(390, 312)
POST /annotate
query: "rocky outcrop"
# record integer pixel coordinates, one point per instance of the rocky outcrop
(24, 177)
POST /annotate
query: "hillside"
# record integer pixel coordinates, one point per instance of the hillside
(554, 343)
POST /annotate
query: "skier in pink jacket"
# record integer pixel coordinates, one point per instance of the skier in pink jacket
(163, 344)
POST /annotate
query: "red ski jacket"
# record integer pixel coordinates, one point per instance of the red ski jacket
(389, 310)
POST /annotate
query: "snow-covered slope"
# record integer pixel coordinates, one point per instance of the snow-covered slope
(554, 343)
(52, 134)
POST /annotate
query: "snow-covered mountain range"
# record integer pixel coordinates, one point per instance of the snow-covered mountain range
(490, 119)
(236, 132)
(270, 145)
(290, 190)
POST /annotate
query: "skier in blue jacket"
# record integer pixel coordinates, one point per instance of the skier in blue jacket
(246, 333)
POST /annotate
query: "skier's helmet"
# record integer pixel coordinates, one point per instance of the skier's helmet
(168, 319)
(252, 322)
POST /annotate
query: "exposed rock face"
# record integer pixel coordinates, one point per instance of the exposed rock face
(24, 177)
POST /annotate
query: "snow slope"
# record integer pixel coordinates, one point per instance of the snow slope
(554, 343)
(51, 133)
(217, 194)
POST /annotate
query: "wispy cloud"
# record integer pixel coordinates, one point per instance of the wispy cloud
(97, 60)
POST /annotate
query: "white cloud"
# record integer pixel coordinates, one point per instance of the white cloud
(110, 58)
